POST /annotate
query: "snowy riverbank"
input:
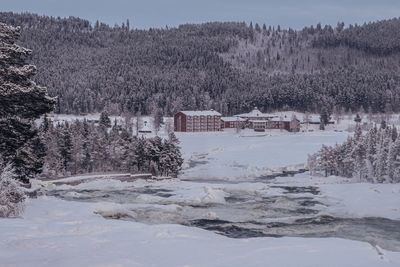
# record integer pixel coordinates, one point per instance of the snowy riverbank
(54, 232)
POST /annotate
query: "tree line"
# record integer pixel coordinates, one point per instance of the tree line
(372, 157)
(84, 147)
(230, 67)
(379, 38)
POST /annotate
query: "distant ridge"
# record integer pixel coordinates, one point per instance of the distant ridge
(230, 67)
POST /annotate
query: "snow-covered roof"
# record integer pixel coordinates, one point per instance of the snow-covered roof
(314, 120)
(255, 113)
(201, 112)
(229, 119)
(260, 121)
(281, 119)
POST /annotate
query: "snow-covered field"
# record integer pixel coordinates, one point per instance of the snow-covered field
(224, 210)
(247, 155)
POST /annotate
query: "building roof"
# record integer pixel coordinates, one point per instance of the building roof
(283, 119)
(260, 121)
(280, 119)
(201, 112)
(255, 113)
(229, 119)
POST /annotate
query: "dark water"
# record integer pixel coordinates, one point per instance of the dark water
(377, 231)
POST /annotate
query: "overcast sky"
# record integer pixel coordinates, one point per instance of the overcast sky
(159, 13)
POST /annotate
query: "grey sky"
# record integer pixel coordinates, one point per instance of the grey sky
(158, 13)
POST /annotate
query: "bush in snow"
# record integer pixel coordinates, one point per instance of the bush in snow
(12, 197)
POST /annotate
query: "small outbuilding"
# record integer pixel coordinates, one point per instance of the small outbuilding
(145, 129)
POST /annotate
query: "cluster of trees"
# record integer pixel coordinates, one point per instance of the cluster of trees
(379, 38)
(230, 67)
(21, 102)
(372, 157)
(85, 147)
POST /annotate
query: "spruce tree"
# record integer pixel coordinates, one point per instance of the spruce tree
(357, 119)
(105, 120)
(21, 102)
(324, 118)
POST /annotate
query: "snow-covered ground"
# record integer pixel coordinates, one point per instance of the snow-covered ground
(59, 233)
(246, 155)
(224, 210)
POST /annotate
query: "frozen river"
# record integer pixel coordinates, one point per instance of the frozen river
(228, 187)
(270, 208)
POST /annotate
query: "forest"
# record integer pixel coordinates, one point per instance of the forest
(85, 147)
(372, 157)
(228, 66)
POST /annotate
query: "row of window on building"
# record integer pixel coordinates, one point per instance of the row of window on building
(211, 120)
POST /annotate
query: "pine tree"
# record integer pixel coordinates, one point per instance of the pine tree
(394, 133)
(22, 101)
(357, 119)
(65, 146)
(381, 161)
(394, 162)
(359, 155)
(105, 120)
(324, 118)
(383, 124)
(158, 120)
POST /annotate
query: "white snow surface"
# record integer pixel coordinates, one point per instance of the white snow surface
(54, 232)
(239, 156)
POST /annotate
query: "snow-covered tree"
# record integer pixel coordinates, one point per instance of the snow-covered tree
(373, 157)
(357, 119)
(324, 118)
(22, 101)
(105, 120)
(12, 197)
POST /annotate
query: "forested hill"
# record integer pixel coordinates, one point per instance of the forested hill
(230, 67)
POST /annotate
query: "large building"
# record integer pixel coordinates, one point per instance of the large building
(259, 121)
(256, 114)
(232, 122)
(197, 121)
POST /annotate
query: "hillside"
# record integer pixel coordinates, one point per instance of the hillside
(230, 67)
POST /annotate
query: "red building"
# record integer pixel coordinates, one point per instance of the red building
(256, 114)
(291, 125)
(197, 121)
(232, 122)
(258, 125)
